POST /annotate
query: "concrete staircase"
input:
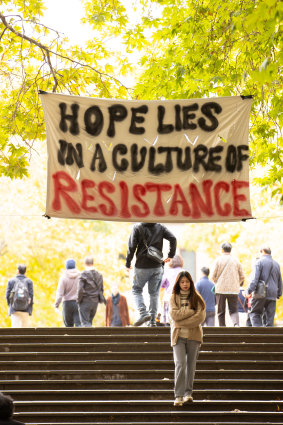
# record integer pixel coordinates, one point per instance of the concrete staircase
(125, 376)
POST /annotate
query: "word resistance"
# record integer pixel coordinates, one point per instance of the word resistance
(208, 199)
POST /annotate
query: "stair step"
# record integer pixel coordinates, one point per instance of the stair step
(175, 416)
(133, 337)
(141, 384)
(134, 374)
(151, 423)
(150, 355)
(141, 329)
(142, 394)
(148, 405)
(238, 365)
(140, 347)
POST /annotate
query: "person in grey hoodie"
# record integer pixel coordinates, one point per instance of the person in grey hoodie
(90, 292)
(67, 292)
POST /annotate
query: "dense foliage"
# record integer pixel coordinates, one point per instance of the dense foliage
(221, 48)
(186, 49)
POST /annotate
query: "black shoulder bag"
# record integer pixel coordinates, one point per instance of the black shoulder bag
(260, 290)
(151, 251)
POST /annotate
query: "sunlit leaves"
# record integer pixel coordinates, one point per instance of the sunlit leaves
(222, 48)
(46, 61)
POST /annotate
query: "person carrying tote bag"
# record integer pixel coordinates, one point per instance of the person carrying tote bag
(187, 312)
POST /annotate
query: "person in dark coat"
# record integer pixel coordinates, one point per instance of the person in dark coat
(206, 289)
(268, 270)
(117, 312)
(90, 291)
(7, 411)
(148, 270)
(20, 319)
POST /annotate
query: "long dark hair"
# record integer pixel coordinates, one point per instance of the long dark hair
(194, 297)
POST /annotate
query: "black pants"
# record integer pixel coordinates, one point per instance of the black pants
(232, 305)
(71, 314)
(87, 310)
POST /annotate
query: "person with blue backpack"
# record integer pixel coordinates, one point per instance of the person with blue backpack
(19, 296)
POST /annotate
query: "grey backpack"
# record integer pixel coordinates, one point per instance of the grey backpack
(20, 295)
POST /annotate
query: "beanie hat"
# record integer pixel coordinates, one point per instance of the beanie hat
(70, 264)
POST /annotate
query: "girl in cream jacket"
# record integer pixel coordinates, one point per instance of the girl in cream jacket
(187, 312)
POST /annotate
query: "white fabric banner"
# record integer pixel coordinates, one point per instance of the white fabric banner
(153, 161)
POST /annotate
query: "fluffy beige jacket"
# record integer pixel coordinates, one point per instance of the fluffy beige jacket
(227, 275)
(185, 317)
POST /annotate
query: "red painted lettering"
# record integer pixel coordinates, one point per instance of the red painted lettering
(237, 185)
(178, 193)
(158, 188)
(60, 190)
(139, 190)
(220, 186)
(87, 184)
(125, 213)
(198, 204)
(109, 209)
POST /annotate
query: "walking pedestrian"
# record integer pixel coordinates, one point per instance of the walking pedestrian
(147, 269)
(19, 296)
(263, 310)
(187, 311)
(175, 266)
(227, 275)
(90, 292)
(206, 289)
(67, 292)
(116, 312)
(242, 306)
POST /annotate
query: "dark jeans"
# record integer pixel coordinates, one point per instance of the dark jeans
(71, 314)
(262, 312)
(87, 310)
(232, 305)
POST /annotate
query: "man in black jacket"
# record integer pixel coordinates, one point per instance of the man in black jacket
(90, 291)
(146, 269)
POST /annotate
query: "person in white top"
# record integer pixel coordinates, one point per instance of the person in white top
(175, 266)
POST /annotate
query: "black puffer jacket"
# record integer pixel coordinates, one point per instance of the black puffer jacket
(90, 285)
(154, 235)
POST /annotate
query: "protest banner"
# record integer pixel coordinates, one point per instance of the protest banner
(152, 161)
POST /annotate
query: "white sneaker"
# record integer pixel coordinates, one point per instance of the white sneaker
(188, 399)
(178, 401)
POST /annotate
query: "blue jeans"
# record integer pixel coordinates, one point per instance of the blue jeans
(153, 277)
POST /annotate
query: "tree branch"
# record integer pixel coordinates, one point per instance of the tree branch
(49, 52)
